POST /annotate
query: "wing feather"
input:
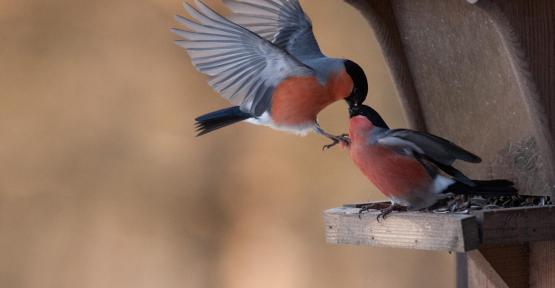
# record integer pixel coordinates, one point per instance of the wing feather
(281, 21)
(243, 67)
(433, 147)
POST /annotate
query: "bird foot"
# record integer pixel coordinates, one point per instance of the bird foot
(386, 211)
(342, 139)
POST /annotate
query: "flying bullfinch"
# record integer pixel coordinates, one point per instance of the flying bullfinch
(405, 164)
(266, 61)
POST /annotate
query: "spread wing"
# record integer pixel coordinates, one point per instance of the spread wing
(243, 67)
(433, 147)
(281, 21)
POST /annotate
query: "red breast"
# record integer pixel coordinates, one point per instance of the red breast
(298, 100)
(395, 175)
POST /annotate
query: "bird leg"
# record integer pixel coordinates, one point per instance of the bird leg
(386, 211)
(343, 138)
(380, 206)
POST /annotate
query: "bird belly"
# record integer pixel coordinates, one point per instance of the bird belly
(267, 120)
(399, 177)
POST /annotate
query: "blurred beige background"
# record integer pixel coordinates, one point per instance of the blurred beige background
(102, 183)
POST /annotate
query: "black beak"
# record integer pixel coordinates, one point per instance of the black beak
(354, 110)
(350, 100)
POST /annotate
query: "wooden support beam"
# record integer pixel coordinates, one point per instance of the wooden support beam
(481, 274)
(511, 262)
(517, 225)
(542, 264)
(462, 270)
(525, 265)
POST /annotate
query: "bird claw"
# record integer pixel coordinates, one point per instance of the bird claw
(329, 146)
(383, 214)
(386, 211)
(363, 209)
(342, 139)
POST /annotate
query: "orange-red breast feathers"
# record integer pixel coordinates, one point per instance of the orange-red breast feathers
(298, 100)
(394, 174)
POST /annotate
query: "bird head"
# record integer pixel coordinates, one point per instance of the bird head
(369, 113)
(360, 83)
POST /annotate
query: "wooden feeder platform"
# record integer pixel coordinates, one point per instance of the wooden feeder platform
(509, 247)
(440, 232)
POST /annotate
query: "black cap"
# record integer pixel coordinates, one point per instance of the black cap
(368, 112)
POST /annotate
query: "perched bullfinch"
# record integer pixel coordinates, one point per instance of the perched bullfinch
(405, 164)
(266, 61)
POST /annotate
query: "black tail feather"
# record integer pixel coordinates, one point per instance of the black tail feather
(488, 188)
(219, 119)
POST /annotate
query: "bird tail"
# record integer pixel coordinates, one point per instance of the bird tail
(491, 188)
(219, 119)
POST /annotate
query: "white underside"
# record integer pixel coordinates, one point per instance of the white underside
(441, 183)
(266, 120)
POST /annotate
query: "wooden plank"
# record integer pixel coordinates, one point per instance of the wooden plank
(412, 230)
(517, 225)
(511, 262)
(542, 264)
(480, 272)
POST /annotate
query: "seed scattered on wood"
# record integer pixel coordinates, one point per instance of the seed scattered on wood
(463, 204)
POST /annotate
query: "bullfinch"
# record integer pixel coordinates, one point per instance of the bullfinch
(406, 165)
(265, 60)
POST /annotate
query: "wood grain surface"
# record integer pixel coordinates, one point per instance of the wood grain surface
(413, 230)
